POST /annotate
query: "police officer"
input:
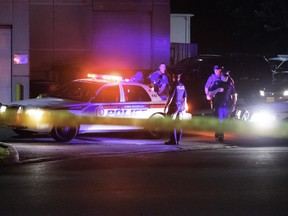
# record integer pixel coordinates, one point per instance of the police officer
(160, 82)
(175, 105)
(220, 91)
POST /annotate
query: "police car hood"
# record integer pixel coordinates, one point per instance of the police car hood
(48, 103)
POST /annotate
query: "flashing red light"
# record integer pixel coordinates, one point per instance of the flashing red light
(105, 77)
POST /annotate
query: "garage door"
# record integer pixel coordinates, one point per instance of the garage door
(5, 65)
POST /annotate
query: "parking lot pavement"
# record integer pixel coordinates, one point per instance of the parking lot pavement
(44, 148)
(6, 134)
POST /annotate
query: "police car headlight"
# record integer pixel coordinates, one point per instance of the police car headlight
(3, 109)
(262, 93)
(35, 114)
(263, 119)
(285, 93)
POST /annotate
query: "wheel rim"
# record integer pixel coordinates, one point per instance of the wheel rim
(64, 133)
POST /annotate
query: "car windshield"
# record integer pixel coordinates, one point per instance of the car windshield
(78, 91)
(280, 78)
(274, 63)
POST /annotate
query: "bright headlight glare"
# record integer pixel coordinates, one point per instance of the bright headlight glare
(262, 93)
(3, 109)
(285, 93)
(36, 114)
(263, 119)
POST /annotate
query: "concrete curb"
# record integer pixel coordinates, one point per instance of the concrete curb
(12, 158)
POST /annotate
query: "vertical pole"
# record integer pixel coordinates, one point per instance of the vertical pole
(19, 92)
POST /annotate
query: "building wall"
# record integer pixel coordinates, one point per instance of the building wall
(60, 35)
(180, 38)
(59, 40)
(14, 43)
(180, 28)
(70, 38)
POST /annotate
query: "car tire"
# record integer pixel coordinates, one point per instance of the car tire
(23, 133)
(64, 133)
(155, 126)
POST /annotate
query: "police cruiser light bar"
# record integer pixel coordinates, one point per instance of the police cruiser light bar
(105, 77)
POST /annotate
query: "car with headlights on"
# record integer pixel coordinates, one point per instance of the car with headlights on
(274, 92)
(270, 113)
(92, 104)
(249, 72)
(266, 118)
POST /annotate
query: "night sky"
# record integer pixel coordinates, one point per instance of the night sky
(249, 26)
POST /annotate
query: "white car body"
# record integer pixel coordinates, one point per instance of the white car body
(91, 97)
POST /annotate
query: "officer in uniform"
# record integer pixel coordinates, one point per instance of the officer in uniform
(175, 105)
(160, 82)
(220, 91)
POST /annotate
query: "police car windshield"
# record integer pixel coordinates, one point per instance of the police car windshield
(78, 91)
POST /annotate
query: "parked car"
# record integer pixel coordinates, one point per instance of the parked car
(250, 73)
(99, 95)
(269, 119)
(277, 91)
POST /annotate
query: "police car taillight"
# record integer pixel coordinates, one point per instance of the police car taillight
(105, 77)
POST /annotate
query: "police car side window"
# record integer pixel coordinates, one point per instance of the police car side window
(108, 94)
(135, 93)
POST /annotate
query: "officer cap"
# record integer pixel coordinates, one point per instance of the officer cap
(218, 67)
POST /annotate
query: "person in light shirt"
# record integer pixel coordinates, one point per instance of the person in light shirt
(220, 91)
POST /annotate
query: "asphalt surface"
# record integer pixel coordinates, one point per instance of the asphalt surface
(43, 148)
(227, 181)
(128, 174)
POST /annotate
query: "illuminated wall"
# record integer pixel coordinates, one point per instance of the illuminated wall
(71, 37)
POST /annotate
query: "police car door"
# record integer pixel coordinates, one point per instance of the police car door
(109, 100)
(137, 101)
(107, 103)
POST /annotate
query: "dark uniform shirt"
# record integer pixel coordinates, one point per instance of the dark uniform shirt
(158, 79)
(224, 98)
(177, 94)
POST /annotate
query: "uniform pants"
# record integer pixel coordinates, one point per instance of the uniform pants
(222, 113)
(176, 134)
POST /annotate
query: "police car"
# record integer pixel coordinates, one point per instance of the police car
(68, 111)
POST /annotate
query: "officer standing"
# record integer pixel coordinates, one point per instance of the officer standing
(220, 91)
(175, 105)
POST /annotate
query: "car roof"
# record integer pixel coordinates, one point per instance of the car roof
(89, 80)
(239, 64)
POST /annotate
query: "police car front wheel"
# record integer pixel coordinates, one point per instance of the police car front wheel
(64, 133)
(156, 129)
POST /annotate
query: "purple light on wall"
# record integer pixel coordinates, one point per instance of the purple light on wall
(122, 40)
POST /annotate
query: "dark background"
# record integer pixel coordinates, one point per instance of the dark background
(250, 26)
